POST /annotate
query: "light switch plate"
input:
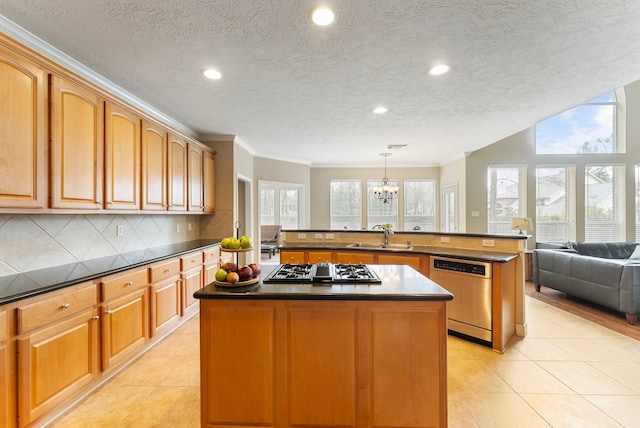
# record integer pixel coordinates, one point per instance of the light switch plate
(488, 243)
(302, 236)
(445, 239)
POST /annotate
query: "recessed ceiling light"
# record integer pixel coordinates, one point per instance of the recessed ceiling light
(322, 16)
(210, 73)
(439, 69)
(380, 110)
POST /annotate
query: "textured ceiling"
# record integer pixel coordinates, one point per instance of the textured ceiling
(294, 91)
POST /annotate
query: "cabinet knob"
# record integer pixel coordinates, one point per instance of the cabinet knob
(109, 203)
(109, 312)
(129, 284)
(65, 306)
(167, 270)
(95, 318)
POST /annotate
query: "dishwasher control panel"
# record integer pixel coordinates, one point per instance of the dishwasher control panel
(462, 267)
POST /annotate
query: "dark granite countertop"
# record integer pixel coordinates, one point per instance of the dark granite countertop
(27, 284)
(399, 282)
(455, 253)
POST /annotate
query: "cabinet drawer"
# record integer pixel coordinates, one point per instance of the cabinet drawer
(121, 283)
(211, 255)
(191, 261)
(163, 270)
(3, 327)
(55, 308)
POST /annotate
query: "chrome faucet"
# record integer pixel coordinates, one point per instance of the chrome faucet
(387, 231)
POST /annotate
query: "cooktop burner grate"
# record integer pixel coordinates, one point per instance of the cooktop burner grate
(323, 273)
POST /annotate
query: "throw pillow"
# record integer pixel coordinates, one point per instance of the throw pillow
(636, 253)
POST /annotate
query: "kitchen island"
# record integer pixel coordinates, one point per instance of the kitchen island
(350, 355)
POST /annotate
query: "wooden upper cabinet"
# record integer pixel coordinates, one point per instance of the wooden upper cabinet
(77, 146)
(154, 167)
(177, 173)
(22, 133)
(122, 158)
(208, 181)
(194, 165)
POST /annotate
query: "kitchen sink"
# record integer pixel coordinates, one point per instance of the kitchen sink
(389, 247)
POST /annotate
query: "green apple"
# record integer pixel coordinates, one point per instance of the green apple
(221, 275)
(225, 242)
(234, 244)
(245, 242)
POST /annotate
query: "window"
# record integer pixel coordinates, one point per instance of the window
(280, 203)
(379, 212)
(346, 204)
(637, 234)
(419, 205)
(554, 204)
(604, 203)
(505, 197)
(588, 128)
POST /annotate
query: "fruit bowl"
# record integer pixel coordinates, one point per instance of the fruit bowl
(236, 284)
(236, 250)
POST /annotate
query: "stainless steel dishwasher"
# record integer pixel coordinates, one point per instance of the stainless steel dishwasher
(470, 283)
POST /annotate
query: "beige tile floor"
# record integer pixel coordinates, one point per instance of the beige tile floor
(568, 372)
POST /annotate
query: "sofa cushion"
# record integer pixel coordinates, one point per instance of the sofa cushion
(605, 250)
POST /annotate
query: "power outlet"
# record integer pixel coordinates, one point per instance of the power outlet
(445, 239)
(488, 243)
(178, 228)
(119, 230)
(318, 236)
(189, 227)
(329, 236)
(302, 236)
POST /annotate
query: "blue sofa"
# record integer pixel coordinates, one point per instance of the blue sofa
(598, 272)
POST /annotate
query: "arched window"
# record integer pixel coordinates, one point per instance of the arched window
(585, 129)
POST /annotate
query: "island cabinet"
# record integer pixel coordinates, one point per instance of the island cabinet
(23, 139)
(4, 370)
(58, 349)
(77, 146)
(125, 316)
(319, 256)
(154, 166)
(122, 158)
(164, 278)
(355, 257)
(293, 256)
(284, 363)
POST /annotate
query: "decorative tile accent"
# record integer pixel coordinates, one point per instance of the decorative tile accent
(31, 242)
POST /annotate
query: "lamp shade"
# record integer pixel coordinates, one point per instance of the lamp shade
(521, 223)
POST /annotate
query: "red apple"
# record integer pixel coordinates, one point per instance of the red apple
(256, 269)
(245, 273)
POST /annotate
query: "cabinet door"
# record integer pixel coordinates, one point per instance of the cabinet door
(355, 257)
(291, 256)
(165, 305)
(208, 181)
(154, 167)
(177, 173)
(122, 158)
(56, 362)
(399, 259)
(22, 134)
(194, 166)
(191, 282)
(125, 327)
(320, 256)
(77, 146)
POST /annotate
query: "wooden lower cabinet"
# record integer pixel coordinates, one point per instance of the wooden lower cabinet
(319, 256)
(4, 371)
(192, 281)
(125, 327)
(375, 364)
(165, 305)
(56, 362)
(292, 256)
(355, 257)
(399, 259)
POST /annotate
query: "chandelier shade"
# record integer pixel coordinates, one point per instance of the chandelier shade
(385, 192)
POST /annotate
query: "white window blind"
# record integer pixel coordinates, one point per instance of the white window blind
(346, 204)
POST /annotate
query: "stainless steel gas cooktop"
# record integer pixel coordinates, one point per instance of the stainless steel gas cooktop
(323, 273)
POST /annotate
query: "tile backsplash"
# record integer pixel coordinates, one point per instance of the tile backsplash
(30, 242)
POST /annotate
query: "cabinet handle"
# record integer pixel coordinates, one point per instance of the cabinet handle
(129, 284)
(193, 261)
(98, 202)
(109, 312)
(65, 306)
(95, 318)
(167, 271)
